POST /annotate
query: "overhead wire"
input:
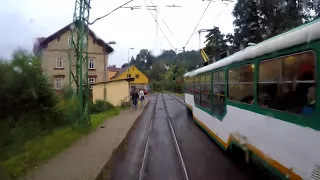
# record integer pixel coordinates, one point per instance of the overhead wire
(160, 27)
(227, 4)
(110, 12)
(198, 23)
(161, 17)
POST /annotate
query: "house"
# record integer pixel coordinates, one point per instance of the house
(140, 79)
(112, 71)
(56, 49)
(117, 91)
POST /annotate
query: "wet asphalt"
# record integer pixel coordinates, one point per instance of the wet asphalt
(150, 153)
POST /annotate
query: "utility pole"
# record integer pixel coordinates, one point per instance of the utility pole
(78, 64)
(79, 74)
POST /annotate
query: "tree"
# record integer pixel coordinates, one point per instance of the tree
(247, 23)
(216, 43)
(143, 60)
(312, 9)
(258, 20)
(125, 65)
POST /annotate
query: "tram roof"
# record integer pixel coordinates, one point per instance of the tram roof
(302, 34)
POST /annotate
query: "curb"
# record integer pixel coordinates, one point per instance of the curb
(104, 171)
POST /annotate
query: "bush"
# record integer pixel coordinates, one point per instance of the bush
(100, 106)
(125, 103)
(28, 104)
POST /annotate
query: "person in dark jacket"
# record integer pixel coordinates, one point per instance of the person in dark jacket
(135, 97)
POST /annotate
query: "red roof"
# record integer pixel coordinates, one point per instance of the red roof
(113, 69)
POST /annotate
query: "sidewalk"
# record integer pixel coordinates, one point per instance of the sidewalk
(86, 157)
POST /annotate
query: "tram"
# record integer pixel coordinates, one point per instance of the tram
(264, 101)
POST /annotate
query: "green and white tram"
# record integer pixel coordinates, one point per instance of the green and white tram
(264, 100)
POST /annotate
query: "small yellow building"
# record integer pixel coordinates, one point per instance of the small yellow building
(140, 79)
(116, 91)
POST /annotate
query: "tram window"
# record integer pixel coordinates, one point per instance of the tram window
(218, 92)
(189, 85)
(197, 85)
(205, 90)
(288, 83)
(240, 84)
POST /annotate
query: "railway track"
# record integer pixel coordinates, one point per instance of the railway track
(147, 147)
(177, 98)
(173, 135)
(181, 161)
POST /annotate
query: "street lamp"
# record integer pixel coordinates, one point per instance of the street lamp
(129, 62)
(129, 58)
(105, 71)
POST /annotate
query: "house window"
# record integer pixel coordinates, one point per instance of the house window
(91, 64)
(58, 83)
(70, 40)
(137, 76)
(59, 62)
(91, 81)
(129, 75)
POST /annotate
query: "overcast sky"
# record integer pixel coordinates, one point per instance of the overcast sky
(21, 21)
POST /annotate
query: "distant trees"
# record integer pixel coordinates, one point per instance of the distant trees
(256, 21)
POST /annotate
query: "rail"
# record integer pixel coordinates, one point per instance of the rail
(182, 164)
(146, 149)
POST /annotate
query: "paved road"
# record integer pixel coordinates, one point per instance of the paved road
(203, 159)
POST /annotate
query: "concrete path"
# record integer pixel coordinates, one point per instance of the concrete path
(86, 157)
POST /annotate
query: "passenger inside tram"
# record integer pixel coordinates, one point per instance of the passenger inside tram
(295, 97)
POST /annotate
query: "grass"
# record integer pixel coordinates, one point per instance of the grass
(40, 149)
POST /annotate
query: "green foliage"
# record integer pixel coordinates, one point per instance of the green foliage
(216, 43)
(256, 21)
(35, 124)
(100, 106)
(24, 87)
(28, 105)
(125, 104)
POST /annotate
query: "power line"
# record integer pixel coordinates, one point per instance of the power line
(111, 12)
(208, 30)
(161, 16)
(159, 27)
(198, 23)
(227, 4)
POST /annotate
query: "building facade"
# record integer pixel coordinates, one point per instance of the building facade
(56, 50)
(117, 91)
(112, 71)
(140, 79)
